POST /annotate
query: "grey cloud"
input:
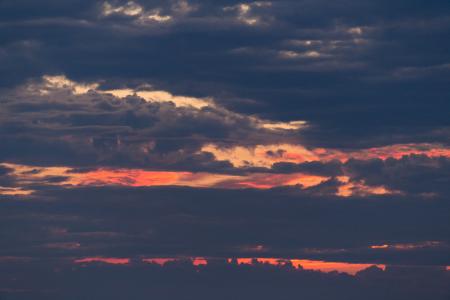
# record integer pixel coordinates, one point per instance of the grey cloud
(130, 222)
(413, 174)
(52, 279)
(93, 129)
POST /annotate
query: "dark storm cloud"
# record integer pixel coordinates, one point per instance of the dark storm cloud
(180, 280)
(333, 168)
(373, 73)
(412, 174)
(134, 222)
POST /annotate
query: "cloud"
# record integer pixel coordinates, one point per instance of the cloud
(300, 130)
(326, 267)
(132, 9)
(59, 82)
(144, 137)
(57, 121)
(28, 177)
(171, 222)
(218, 279)
(161, 96)
(343, 80)
(269, 154)
(416, 174)
(244, 12)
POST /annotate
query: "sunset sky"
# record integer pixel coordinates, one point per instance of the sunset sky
(200, 143)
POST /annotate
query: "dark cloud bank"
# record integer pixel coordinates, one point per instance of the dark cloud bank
(372, 72)
(154, 222)
(180, 280)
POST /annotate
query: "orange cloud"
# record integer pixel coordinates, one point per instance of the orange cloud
(410, 246)
(261, 155)
(145, 178)
(199, 261)
(141, 178)
(384, 246)
(136, 178)
(267, 155)
(267, 181)
(349, 188)
(14, 191)
(306, 264)
(107, 260)
(158, 261)
(315, 265)
(196, 261)
(258, 156)
(127, 177)
(333, 266)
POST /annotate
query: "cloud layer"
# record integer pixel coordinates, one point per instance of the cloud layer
(134, 130)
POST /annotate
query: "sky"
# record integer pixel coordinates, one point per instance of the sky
(198, 149)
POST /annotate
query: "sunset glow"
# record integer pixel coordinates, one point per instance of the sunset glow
(314, 265)
(211, 150)
(144, 178)
(411, 246)
(107, 260)
(266, 155)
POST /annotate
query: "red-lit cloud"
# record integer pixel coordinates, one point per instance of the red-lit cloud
(409, 246)
(316, 265)
(266, 155)
(258, 156)
(142, 178)
(107, 260)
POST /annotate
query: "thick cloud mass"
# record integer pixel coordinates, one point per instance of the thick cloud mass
(118, 222)
(56, 125)
(372, 71)
(288, 129)
(219, 281)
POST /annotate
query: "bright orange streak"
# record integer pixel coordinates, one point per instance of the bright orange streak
(266, 155)
(316, 265)
(142, 178)
(379, 246)
(242, 261)
(410, 246)
(137, 178)
(108, 260)
(14, 191)
(196, 261)
(199, 261)
(261, 155)
(333, 266)
(267, 181)
(158, 261)
(349, 188)
(126, 177)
